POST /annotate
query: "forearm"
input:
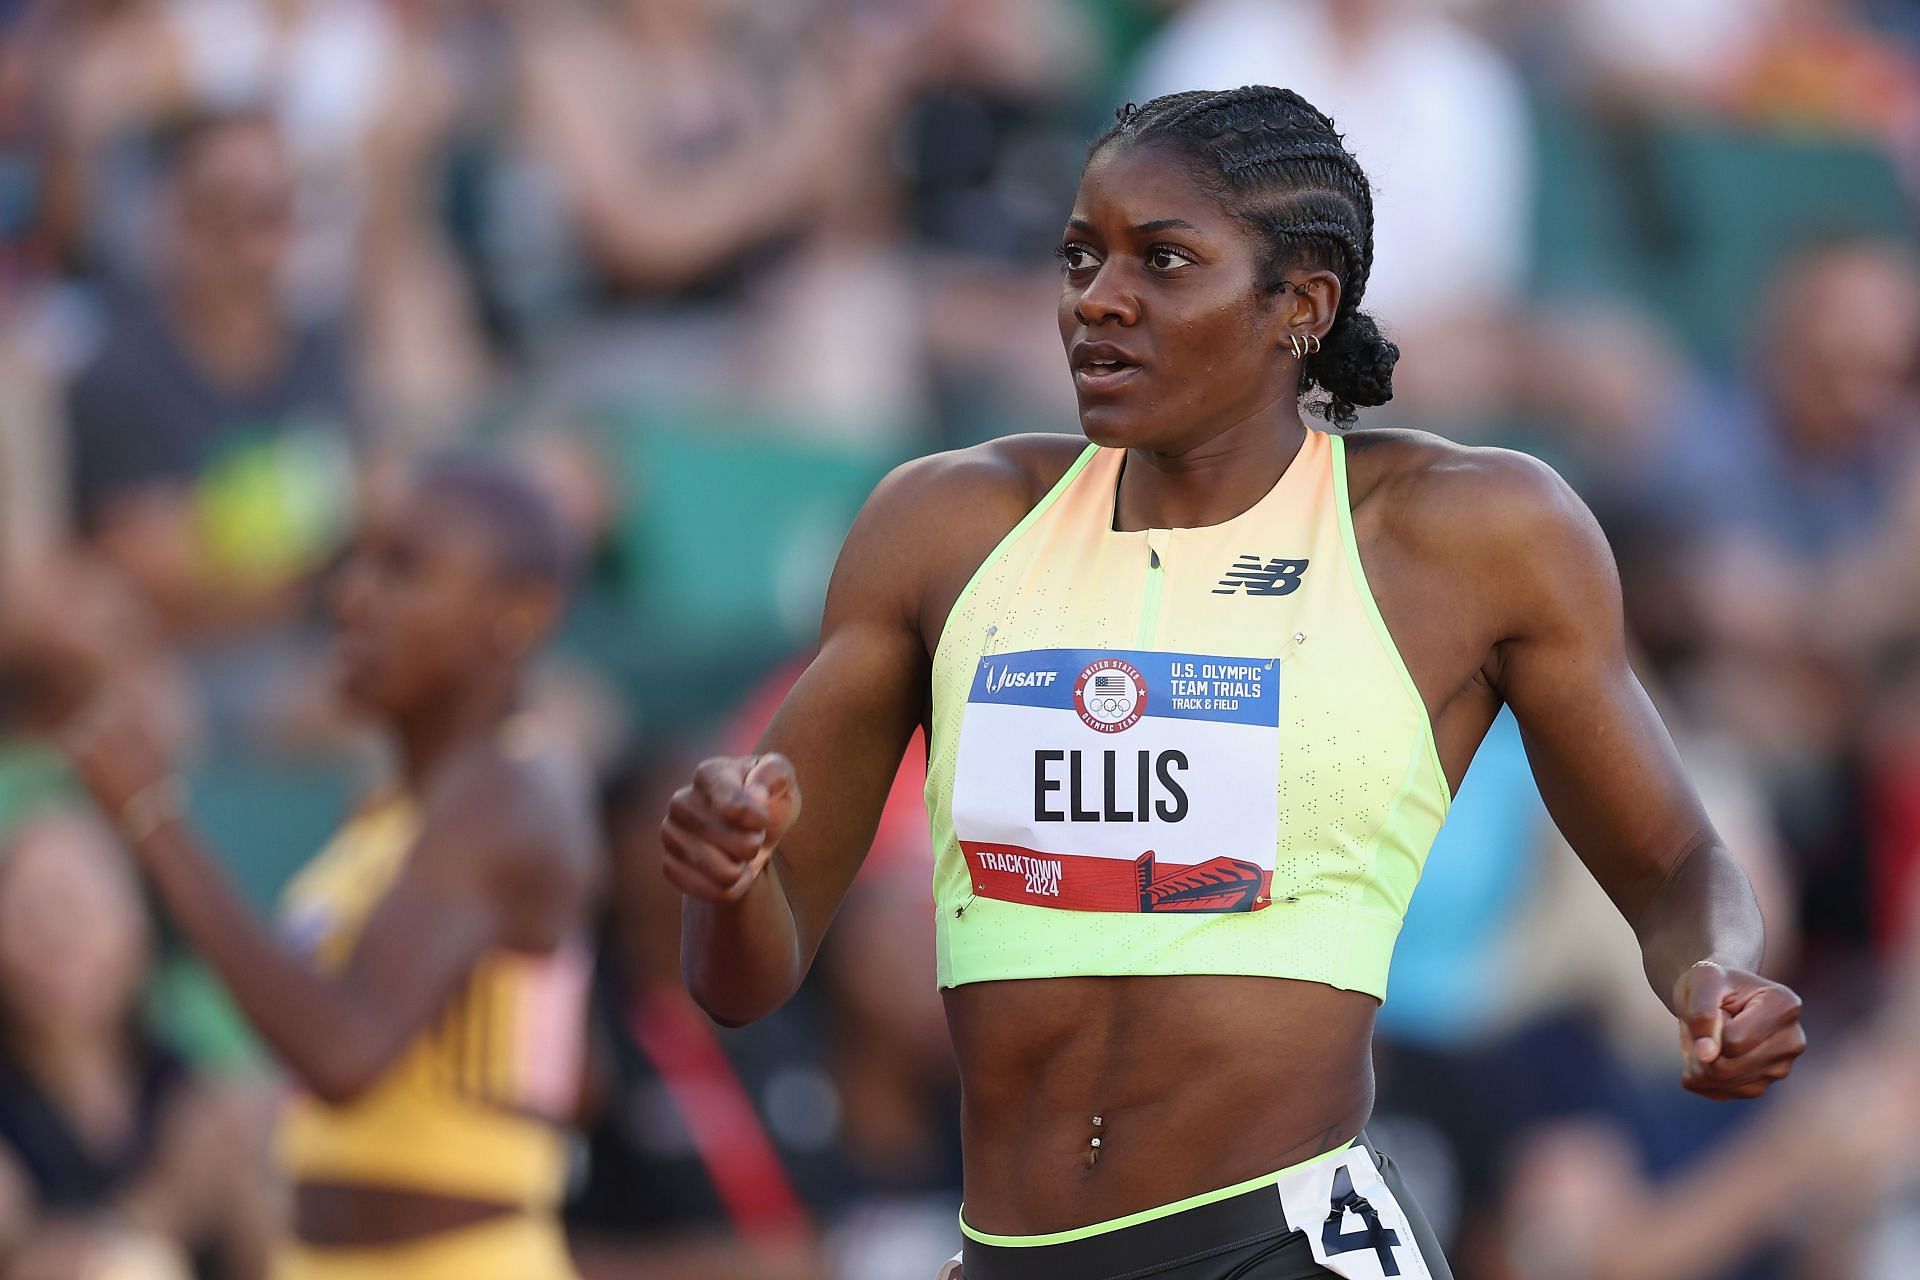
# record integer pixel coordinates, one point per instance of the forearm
(742, 960)
(310, 1024)
(659, 227)
(1706, 1219)
(1703, 910)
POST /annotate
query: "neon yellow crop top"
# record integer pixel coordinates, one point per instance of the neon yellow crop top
(473, 1107)
(1177, 750)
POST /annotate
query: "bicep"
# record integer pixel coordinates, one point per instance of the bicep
(1604, 762)
(418, 948)
(848, 719)
(496, 867)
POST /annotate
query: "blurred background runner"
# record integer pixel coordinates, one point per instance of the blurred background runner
(705, 269)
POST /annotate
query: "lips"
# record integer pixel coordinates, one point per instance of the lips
(1102, 366)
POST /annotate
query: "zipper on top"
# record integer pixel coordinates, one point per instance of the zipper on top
(1155, 587)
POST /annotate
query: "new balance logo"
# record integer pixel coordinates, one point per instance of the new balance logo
(1259, 577)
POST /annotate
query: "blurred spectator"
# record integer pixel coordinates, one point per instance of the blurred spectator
(822, 1141)
(705, 1141)
(321, 69)
(1818, 67)
(63, 621)
(710, 156)
(893, 1075)
(211, 434)
(1647, 1185)
(81, 81)
(1440, 124)
(1793, 1193)
(114, 1159)
(1620, 58)
(1786, 484)
(987, 152)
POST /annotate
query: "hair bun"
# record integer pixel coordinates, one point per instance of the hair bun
(1354, 367)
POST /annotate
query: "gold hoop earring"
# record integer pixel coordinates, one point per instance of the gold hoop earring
(1313, 344)
(1299, 348)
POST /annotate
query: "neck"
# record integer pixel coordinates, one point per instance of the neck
(1209, 484)
(432, 734)
(235, 331)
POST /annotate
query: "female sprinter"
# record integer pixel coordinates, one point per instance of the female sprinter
(430, 995)
(1197, 694)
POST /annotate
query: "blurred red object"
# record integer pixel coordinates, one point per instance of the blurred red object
(1894, 818)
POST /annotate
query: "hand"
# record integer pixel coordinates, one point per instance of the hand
(117, 756)
(1738, 1032)
(66, 628)
(721, 830)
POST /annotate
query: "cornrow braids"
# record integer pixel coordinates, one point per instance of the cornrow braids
(1275, 160)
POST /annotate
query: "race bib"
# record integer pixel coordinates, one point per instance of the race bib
(1116, 780)
(1351, 1221)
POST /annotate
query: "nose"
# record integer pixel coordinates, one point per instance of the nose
(1106, 297)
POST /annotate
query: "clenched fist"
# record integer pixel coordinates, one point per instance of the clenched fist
(721, 830)
(1739, 1032)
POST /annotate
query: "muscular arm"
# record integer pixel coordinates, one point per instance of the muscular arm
(843, 728)
(1612, 779)
(1605, 764)
(499, 863)
(747, 940)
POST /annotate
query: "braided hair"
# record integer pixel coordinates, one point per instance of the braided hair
(1274, 160)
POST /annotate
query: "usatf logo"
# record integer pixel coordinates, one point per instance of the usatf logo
(1259, 577)
(1110, 695)
(1007, 678)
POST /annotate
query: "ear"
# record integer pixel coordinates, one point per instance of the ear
(1309, 306)
(526, 621)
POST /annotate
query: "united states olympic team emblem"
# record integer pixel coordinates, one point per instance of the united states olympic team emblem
(1110, 695)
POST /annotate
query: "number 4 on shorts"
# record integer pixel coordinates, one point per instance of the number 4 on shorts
(1373, 1234)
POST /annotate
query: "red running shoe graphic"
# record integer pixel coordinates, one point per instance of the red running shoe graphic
(1218, 884)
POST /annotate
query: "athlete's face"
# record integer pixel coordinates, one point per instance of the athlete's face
(423, 612)
(1170, 335)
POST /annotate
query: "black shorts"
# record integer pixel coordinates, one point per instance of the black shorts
(1245, 1237)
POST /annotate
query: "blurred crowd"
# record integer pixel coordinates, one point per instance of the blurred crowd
(708, 267)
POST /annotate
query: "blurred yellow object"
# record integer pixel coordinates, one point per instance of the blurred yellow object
(521, 1247)
(474, 1107)
(276, 507)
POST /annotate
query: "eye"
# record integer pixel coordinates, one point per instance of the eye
(1077, 257)
(1164, 257)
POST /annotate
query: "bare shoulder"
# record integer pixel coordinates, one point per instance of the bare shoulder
(1427, 489)
(933, 520)
(1502, 525)
(512, 810)
(1004, 476)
